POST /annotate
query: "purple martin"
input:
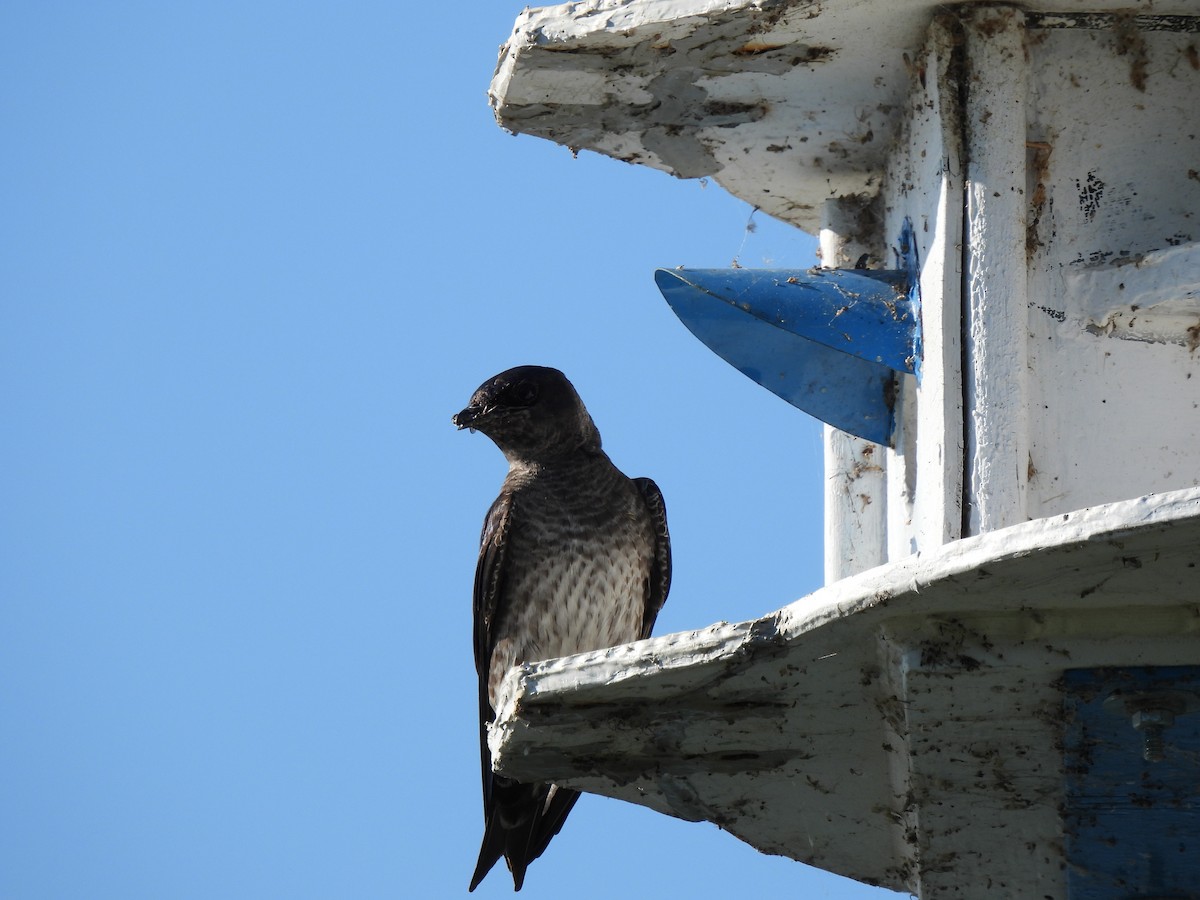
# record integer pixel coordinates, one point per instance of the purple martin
(574, 557)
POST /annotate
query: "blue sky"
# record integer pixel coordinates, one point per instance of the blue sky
(252, 258)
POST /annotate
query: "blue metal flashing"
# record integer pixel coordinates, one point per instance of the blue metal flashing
(828, 341)
(1131, 814)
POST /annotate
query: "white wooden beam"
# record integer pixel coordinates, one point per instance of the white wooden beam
(997, 306)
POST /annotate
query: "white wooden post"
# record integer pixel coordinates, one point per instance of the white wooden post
(997, 306)
(855, 477)
(924, 185)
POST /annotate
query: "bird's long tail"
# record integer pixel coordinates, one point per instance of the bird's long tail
(521, 820)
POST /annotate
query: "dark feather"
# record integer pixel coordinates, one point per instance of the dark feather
(660, 573)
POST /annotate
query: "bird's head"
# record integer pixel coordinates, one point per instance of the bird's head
(531, 413)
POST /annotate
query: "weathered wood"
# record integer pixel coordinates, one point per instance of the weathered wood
(995, 324)
(855, 477)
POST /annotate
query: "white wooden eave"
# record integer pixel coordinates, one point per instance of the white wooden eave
(784, 104)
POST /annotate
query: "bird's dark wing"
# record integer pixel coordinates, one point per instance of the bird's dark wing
(659, 584)
(489, 582)
(519, 819)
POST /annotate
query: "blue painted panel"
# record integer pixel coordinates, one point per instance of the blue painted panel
(1132, 827)
(859, 312)
(850, 393)
(828, 341)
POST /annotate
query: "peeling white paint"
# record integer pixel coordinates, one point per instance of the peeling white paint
(828, 79)
(1153, 297)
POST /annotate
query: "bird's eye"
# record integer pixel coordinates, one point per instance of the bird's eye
(523, 393)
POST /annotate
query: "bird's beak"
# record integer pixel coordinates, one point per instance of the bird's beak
(466, 418)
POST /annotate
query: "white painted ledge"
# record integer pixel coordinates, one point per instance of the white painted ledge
(1152, 297)
(786, 105)
(823, 731)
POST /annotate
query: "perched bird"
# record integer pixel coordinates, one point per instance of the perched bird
(574, 556)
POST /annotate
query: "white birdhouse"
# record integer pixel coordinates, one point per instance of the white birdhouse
(997, 692)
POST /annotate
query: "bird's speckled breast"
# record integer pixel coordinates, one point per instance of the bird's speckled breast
(578, 568)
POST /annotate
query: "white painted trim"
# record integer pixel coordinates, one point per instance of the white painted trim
(938, 510)
(996, 310)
